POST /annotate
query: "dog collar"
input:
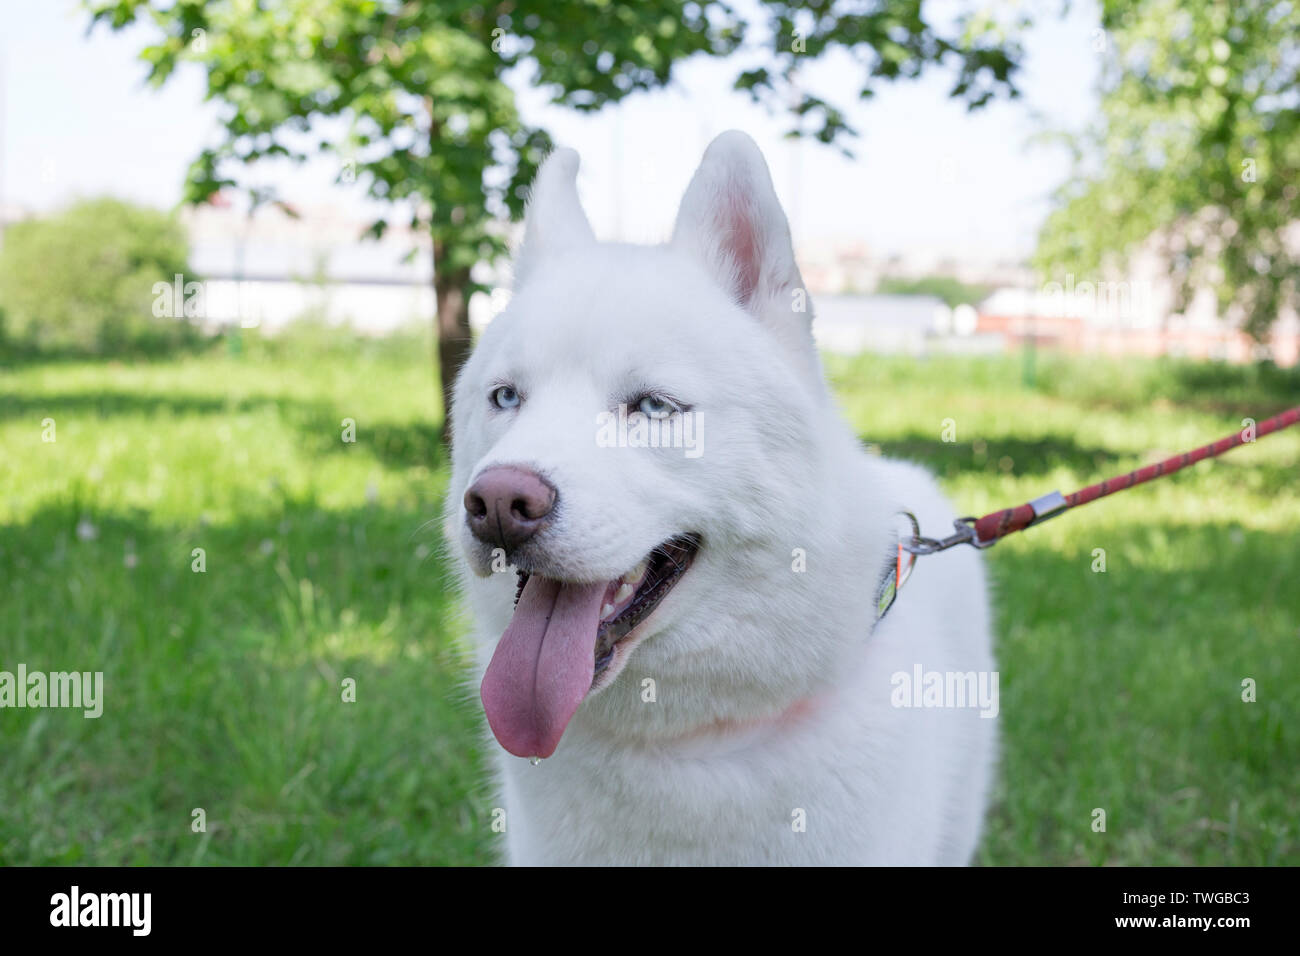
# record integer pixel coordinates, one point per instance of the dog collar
(899, 567)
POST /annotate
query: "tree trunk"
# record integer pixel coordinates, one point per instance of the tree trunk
(451, 290)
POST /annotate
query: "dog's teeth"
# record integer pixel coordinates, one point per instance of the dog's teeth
(634, 576)
(623, 593)
(606, 611)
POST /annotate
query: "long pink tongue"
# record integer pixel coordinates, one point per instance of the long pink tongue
(543, 665)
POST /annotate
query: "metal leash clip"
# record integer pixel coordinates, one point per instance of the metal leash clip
(965, 534)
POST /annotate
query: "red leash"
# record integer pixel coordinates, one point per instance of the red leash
(984, 532)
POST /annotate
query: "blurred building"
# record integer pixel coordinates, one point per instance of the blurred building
(850, 267)
(897, 324)
(271, 268)
(1137, 313)
(1134, 315)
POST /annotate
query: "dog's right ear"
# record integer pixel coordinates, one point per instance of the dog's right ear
(554, 221)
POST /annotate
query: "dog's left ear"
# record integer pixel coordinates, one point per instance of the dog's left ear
(554, 221)
(731, 220)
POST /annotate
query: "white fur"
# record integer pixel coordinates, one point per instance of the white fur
(708, 773)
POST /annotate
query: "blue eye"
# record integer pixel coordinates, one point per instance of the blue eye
(503, 396)
(655, 406)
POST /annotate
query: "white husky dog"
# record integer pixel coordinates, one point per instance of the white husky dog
(686, 628)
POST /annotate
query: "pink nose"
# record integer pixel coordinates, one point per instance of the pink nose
(507, 505)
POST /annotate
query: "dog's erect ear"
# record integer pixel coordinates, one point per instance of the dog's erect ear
(554, 222)
(731, 220)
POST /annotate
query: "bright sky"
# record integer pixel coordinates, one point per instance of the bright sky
(929, 178)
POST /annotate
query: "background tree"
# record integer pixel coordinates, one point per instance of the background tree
(1199, 147)
(428, 120)
(82, 281)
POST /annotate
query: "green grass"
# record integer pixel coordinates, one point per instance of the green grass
(1120, 690)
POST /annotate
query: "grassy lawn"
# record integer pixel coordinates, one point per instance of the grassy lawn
(1120, 690)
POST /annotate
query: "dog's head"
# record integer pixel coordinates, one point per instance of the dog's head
(632, 433)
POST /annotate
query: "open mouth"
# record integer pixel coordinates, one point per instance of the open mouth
(562, 636)
(629, 600)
